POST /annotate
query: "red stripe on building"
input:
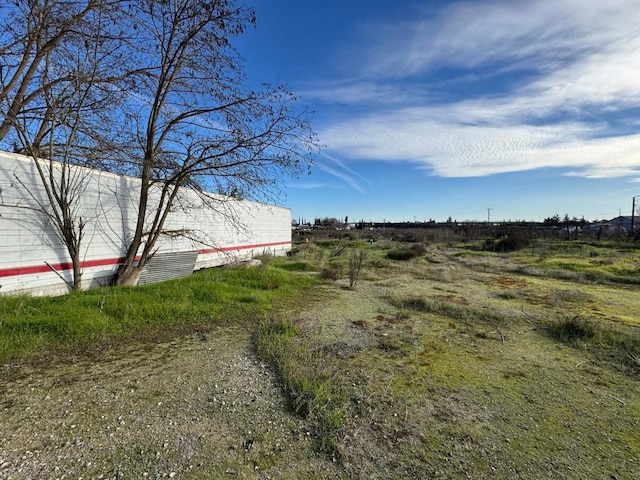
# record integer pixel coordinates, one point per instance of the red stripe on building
(33, 269)
(242, 247)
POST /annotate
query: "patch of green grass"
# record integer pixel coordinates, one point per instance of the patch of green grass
(454, 311)
(472, 253)
(582, 262)
(297, 266)
(329, 244)
(35, 326)
(312, 388)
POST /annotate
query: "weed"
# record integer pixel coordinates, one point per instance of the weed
(272, 338)
(573, 296)
(403, 254)
(572, 330)
(314, 391)
(355, 264)
(330, 272)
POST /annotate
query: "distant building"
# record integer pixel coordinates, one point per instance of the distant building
(624, 222)
(615, 226)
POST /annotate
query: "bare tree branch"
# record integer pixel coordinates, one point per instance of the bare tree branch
(200, 128)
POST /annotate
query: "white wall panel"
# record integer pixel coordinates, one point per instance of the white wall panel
(221, 230)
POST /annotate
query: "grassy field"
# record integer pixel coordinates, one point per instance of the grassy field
(458, 363)
(438, 361)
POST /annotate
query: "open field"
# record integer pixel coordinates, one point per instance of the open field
(443, 361)
(461, 363)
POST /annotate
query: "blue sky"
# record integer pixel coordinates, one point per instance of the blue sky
(431, 109)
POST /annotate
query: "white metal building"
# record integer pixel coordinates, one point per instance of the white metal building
(200, 233)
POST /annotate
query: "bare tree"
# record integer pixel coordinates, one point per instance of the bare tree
(197, 126)
(66, 65)
(31, 31)
(56, 97)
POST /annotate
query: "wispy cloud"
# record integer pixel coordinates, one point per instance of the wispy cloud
(577, 65)
(474, 34)
(341, 171)
(364, 92)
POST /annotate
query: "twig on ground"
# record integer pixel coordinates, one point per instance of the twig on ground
(530, 316)
(55, 382)
(500, 332)
(617, 399)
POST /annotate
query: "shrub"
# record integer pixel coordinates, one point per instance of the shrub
(510, 242)
(399, 254)
(573, 329)
(330, 272)
(355, 264)
(415, 250)
(418, 249)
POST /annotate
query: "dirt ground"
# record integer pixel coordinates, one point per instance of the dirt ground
(470, 387)
(200, 407)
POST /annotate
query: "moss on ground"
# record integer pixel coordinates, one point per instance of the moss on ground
(447, 376)
(454, 364)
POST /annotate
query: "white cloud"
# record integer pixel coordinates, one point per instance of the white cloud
(583, 64)
(350, 92)
(473, 34)
(452, 150)
(342, 172)
(458, 150)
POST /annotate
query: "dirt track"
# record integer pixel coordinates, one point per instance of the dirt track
(202, 407)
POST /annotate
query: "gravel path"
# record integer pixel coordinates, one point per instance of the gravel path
(199, 407)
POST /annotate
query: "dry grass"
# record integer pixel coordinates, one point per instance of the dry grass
(453, 364)
(477, 374)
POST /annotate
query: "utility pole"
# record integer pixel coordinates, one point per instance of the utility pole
(489, 215)
(633, 211)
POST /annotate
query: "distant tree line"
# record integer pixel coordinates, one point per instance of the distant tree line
(556, 221)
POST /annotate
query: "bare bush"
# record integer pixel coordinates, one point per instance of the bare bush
(355, 265)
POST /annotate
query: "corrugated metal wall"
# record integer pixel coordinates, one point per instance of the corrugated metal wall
(28, 242)
(167, 266)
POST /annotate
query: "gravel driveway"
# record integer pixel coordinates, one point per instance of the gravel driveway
(198, 407)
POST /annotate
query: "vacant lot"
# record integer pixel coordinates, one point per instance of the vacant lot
(459, 363)
(440, 361)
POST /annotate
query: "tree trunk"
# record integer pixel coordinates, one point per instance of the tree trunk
(128, 275)
(77, 273)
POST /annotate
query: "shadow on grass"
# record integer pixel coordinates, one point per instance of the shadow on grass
(611, 344)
